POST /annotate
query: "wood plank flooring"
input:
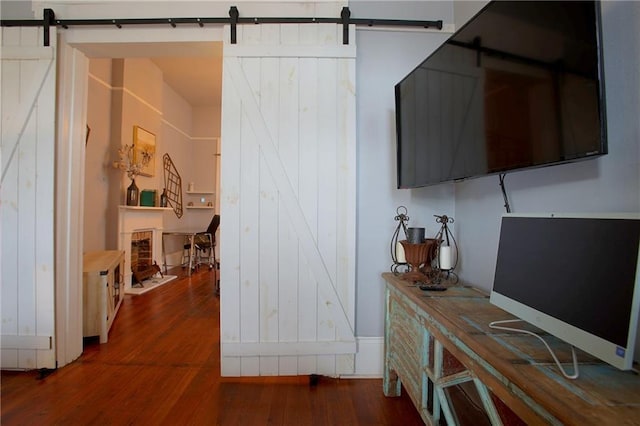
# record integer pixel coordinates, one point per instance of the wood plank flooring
(161, 365)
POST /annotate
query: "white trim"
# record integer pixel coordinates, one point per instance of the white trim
(174, 127)
(127, 91)
(369, 359)
(100, 81)
(139, 99)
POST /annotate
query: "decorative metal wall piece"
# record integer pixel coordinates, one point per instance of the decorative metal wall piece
(173, 185)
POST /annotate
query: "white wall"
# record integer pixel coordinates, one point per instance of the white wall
(385, 58)
(99, 232)
(465, 10)
(611, 183)
(608, 184)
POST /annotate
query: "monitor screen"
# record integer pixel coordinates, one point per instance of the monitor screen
(574, 276)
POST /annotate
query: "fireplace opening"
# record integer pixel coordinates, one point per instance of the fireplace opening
(142, 264)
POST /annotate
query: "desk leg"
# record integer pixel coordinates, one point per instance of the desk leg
(164, 256)
(391, 385)
(191, 251)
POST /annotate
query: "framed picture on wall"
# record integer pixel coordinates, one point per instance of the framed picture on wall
(144, 143)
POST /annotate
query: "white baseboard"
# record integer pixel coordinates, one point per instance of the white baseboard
(369, 359)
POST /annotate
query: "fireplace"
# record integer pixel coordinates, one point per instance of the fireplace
(140, 236)
(143, 266)
(141, 250)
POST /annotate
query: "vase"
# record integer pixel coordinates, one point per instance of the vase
(132, 194)
(419, 257)
(164, 198)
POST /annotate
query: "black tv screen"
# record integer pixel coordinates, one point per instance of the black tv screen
(519, 86)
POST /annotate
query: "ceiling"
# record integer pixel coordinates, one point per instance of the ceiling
(193, 70)
(198, 80)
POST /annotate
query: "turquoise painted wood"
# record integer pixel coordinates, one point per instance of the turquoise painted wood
(438, 344)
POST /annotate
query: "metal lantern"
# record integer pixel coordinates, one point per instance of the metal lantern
(447, 251)
(396, 248)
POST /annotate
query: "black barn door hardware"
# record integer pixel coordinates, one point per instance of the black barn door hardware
(233, 20)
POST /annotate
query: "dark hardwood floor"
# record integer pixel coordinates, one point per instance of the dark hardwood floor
(161, 365)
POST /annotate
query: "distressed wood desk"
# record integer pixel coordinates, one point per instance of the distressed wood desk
(439, 346)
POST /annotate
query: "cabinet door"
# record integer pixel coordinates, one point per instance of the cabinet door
(118, 280)
(111, 296)
(94, 288)
(114, 284)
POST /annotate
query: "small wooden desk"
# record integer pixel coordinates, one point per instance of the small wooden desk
(437, 341)
(188, 236)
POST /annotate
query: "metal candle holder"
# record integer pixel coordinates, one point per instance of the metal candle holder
(402, 218)
(444, 238)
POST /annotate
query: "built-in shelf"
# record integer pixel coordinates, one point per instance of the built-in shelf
(200, 207)
(144, 208)
(201, 192)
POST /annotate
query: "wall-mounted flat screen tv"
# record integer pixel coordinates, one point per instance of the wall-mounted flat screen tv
(519, 86)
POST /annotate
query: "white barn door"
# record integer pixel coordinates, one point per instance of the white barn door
(26, 198)
(288, 201)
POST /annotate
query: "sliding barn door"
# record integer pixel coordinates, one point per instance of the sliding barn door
(28, 76)
(288, 201)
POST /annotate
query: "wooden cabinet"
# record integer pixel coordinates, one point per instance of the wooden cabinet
(440, 348)
(103, 289)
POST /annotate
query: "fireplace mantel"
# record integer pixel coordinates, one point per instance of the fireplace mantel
(139, 218)
(144, 208)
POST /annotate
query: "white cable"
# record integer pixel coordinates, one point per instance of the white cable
(531, 333)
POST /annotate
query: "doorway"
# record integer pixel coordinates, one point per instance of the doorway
(87, 70)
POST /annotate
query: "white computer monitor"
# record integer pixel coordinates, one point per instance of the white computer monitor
(575, 276)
